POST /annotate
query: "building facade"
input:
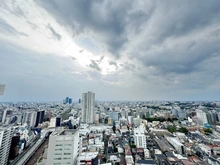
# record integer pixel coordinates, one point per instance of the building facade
(140, 138)
(88, 105)
(5, 143)
(63, 147)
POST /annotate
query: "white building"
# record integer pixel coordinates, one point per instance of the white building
(63, 147)
(5, 143)
(88, 158)
(202, 117)
(176, 144)
(140, 138)
(130, 120)
(88, 104)
(129, 160)
(30, 118)
(4, 115)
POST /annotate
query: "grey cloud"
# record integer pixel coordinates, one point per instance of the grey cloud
(55, 34)
(94, 65)
(13, 8)
(106, 19)
(182, 59)
(112, 63)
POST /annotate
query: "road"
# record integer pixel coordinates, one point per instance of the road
(38, 153)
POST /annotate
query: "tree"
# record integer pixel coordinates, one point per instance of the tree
(171, 129)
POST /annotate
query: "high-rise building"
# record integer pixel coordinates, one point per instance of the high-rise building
(139, 137)
(67, 100)
(40, 117)
(30, 118)
(4, 115)
(181, 114)
(63, 147)
(202, 118)
(88, 104)
(70, 101)
(114, 115)
(5, 143)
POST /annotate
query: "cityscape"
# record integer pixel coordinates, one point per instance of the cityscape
(105, 133)
(109, 82)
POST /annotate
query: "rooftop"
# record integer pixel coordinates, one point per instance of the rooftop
(87, 155)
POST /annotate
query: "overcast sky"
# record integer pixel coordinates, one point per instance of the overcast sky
(120, 50)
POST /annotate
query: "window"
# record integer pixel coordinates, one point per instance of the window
(58, 149)
(57, 158)
(66, 158)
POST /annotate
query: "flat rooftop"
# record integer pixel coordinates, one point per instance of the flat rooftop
(87, 155)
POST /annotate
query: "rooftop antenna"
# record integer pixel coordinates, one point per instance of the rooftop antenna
(2, 88)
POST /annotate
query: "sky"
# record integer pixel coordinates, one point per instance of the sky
(120, 50)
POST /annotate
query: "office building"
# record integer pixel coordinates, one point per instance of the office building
(5, 143)
(63, 147)
(67, 100)
(114, 115)
(70, 101)
(40, 117)
(88, 104)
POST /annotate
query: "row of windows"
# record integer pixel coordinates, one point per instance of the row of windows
(61, 158)
(63, 145)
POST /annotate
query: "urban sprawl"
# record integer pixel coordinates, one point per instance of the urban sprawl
(90, 132)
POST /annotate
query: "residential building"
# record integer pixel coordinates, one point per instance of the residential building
(140, 138)
(5, 143)
(88, 158)
(202, 118)
(88, 104)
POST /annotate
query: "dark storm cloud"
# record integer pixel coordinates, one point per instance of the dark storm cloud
(107, 19)
(182, 59)
(94, 65)
(8, 29)
(54, 33)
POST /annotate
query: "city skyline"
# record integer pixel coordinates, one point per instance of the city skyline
(133, 50)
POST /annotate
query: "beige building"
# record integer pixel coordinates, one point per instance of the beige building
(63, 147)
